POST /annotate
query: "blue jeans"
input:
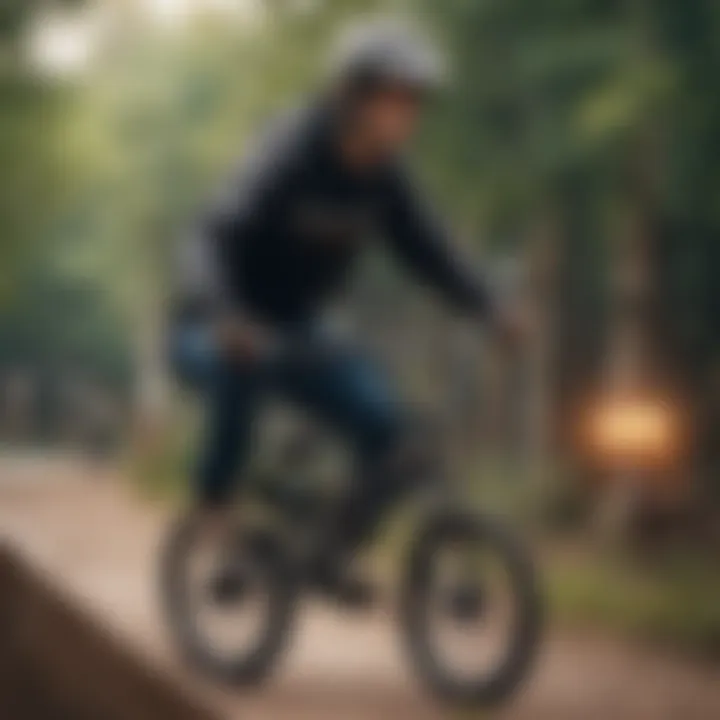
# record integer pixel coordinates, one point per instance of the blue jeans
(335, 383)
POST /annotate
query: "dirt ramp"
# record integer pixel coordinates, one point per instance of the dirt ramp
(56, 662)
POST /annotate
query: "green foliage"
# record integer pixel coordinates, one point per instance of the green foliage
(63, 324)
(550, 102)
(32, 171)
(674, 601)
(16, 14)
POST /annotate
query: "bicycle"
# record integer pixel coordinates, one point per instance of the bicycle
(261, 566)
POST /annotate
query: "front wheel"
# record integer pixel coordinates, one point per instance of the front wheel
(470, 609)
(228, 602)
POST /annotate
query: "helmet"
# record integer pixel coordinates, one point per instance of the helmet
(383, 51)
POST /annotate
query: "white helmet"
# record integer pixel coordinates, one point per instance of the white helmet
(386, 50)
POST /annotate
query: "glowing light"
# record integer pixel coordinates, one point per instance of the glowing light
(64, 44)
(635, 430)
(179, 12)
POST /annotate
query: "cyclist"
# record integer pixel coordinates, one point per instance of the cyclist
(322, 182)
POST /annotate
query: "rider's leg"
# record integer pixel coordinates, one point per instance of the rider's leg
(230, 394)
(352, 395)
(231, 404)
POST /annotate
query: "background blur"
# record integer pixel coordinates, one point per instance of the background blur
(577, 153)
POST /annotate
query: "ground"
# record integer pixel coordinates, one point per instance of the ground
(99, 540)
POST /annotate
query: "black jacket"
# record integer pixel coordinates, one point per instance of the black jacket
(293, 219)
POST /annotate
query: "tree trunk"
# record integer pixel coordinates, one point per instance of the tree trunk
(540, 360)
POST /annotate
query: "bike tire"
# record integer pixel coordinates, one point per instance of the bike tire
(248, 668)
(499, 685)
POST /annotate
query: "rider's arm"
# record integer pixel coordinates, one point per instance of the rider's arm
(241, 214)
(213, 278)
(420, 241)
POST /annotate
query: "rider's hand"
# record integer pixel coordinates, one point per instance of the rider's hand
(240, 338)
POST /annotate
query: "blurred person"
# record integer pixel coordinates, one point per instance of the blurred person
(323, 181)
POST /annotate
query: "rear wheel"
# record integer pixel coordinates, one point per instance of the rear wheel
(470, 609)
(229, 603)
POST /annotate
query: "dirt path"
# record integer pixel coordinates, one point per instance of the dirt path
(101, 541)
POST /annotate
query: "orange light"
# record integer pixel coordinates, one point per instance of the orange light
(632, 430)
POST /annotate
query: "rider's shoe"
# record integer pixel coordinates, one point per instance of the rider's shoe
(339, 582)
(214, 524)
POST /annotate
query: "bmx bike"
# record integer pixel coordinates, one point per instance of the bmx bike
(468, 605)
